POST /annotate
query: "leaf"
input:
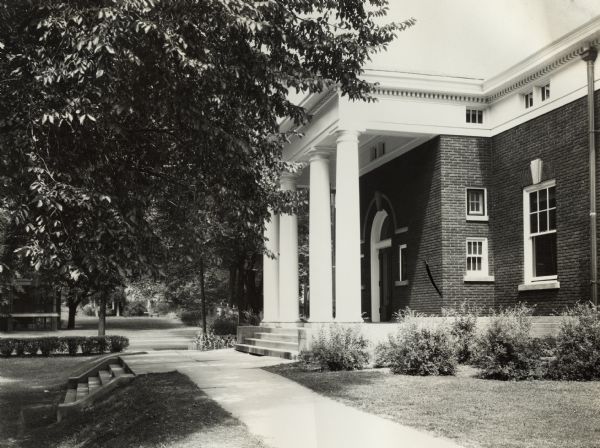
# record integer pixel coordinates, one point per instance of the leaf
(99, 73)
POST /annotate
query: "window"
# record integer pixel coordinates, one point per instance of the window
(402, 274)
(545, 92)
(476, 204)
(380, 149)
(373, 153)
(474, 116)
(540, 232)
(528, 100)
(476, 257)
(377, 151)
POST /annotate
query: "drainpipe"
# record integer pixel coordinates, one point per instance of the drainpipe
(589, 56)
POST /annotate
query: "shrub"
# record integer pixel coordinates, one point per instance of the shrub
(578, 345)
(212, 341)
(71, 344)
(382, 357)
(505, 350)
(463, 328)
(224, 325)
(338, 348)
(32, 346)
(49, 345)
(88, 310)
(420, 351)
(6, 346)
(94, 344)
(20, 347)
(118, 343)
(135, 309)
(191, 317)
(249, 317)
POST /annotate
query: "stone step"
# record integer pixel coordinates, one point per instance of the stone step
(116, 370)
(269, 343)
(284, 337)
(71, 395)
(264, 351)
(82, 391)
(293, 331)
(104, 376)
(94, 383)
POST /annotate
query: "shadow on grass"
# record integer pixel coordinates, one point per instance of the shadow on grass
(160, 410)
(129, 323)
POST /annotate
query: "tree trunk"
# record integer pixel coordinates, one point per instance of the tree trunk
(72, 312)
(241, 297)
(232, 283)
(102, 317)
(202, 297)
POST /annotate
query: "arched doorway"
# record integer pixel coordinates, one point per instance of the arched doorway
(382, 230)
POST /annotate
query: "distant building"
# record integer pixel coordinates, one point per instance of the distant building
(30, 306)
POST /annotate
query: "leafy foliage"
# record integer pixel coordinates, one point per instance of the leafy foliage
(416, 350)
(137, 308)
(212, 341)
(338, 348)
(463, 326)
(224, 325)
(506, 350)
(578, 345)
(67, 344)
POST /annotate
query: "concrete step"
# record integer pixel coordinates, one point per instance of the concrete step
(269, 343)
(82, 391)
(105, 376)
(293, 331)
(284, 337)
(264, 351)
(116, 370)
(94, 383)
(71, 395)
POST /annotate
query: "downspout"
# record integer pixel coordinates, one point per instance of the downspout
(589, 56)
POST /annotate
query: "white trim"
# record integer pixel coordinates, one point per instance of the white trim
(485, 216)
(383, 243)
(376, 244)
(539, 286)
(401, 283)
(400, 259)
(484, 273)
(529, 279)
(478, 278)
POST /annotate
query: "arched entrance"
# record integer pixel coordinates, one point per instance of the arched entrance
(382, 230)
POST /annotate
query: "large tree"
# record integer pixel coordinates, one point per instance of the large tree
(104, 103)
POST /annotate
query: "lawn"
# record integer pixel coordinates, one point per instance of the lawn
(474, 412)
(154, 411)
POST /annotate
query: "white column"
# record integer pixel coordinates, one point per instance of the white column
(288, 260)
(319, 248)
(347, 229)
(271, 271)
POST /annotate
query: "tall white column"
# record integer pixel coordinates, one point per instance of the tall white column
(288, 260)
(347, 229)
(319, 243)
(271, 271)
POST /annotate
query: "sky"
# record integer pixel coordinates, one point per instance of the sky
(477, 38)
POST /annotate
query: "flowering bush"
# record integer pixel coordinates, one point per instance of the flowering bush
(505, 350)
(211, 341)
(339, 348)
(578, 345)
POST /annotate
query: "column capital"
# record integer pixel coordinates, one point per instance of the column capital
(589, 54)
(320, 153)
(347, 135)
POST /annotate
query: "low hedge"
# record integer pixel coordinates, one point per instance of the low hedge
(65, 345)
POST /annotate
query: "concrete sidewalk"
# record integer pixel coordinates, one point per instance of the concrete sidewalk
(281, 412)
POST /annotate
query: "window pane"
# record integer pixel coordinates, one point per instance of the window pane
(543, 196)
(552, 224)
(475, 200)
(479, 263)
(551, 198)
(533, 223)
(386, 229)
(403, 264)
(544, 253)
(479, 116)
(533, 205)
(469, 263)
(469, 248)
(468, 116)
(543, 221)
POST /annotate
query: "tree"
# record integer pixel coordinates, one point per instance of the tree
(105, 103)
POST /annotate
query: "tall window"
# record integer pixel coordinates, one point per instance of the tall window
(402, 275)
(476, 258)
(540, 232)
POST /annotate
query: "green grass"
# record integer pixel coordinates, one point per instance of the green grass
(154, 411)
(472, 411)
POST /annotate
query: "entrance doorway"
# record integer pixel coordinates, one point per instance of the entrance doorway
(381, 267)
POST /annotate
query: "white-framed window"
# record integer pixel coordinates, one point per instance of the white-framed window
(474, 116)
(476, 260)
(539, 224)
(402, 265)
(528, 97)
(476, 204)
(545, 92)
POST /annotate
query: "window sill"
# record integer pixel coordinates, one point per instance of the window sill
(401, 282)
(553, 284)
(478, 278)
(475, 218)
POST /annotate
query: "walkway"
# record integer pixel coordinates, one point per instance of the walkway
(281, 412)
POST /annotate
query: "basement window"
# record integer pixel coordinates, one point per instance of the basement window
(474, 116)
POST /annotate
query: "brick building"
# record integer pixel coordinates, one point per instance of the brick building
(445, 189)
